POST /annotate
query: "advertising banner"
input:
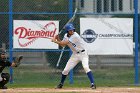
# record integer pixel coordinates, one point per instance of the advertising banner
(34, 34)
(107, 36)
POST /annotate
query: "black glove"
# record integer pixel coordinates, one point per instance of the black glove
(17, 60)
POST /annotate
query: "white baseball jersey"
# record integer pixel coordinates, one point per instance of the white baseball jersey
(75, 42)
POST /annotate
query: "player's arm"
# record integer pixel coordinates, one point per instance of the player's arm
(8, 63)
(16, 62)
(57, 40)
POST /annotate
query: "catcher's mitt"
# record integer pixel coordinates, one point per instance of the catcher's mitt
(17, 60)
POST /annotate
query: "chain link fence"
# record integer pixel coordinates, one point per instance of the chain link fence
(38, 68)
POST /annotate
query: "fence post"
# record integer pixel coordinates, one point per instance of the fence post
(70, 15)
(10, 37)
(136, 42)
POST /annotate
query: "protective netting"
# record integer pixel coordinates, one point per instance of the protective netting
(38, 68)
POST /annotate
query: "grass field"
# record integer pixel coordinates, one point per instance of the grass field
(28, 77)
(44, 80)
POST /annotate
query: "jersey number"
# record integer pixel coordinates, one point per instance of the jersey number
(74, 45)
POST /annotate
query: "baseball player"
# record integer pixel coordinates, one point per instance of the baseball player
(4, 77)
(74, 41)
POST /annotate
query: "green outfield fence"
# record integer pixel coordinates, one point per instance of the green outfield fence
(38, 68)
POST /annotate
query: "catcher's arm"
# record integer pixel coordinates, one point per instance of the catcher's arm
(17, 61)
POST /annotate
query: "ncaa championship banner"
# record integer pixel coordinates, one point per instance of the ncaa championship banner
(34, 34)
(107, 36)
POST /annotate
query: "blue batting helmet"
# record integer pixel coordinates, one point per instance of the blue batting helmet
(69, 27)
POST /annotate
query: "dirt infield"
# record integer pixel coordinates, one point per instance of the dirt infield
(73, 90)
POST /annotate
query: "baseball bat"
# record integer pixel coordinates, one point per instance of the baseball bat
(71, 20)
(57, 65)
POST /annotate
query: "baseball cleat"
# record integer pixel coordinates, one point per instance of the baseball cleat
(93, 86)
(59, 86)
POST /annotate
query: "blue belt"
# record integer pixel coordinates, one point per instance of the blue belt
(80, 51)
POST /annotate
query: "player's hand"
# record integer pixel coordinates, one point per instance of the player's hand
(56, 36)
(53, 39)
(17, 61)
